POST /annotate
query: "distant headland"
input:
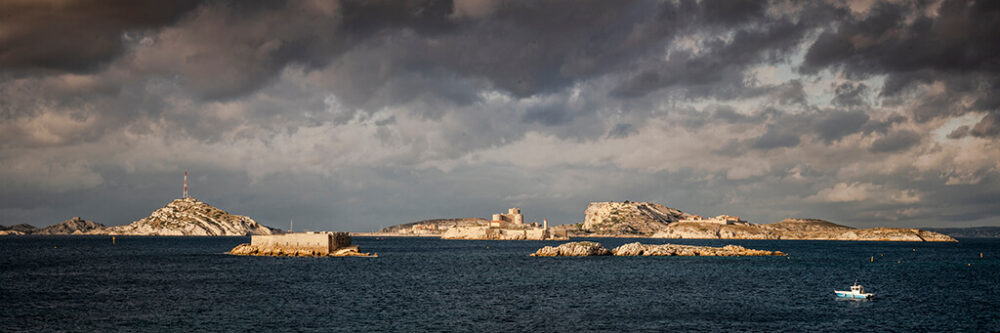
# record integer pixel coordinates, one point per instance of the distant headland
(190, 217)
(182, 217)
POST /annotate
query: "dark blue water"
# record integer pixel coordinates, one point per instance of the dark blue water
(419, 284)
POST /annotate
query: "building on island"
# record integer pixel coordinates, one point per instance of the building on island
(721, 219)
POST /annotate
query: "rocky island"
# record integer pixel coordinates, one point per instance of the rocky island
(181, 217)
(503, 226)
(583, 249)
(643, 219)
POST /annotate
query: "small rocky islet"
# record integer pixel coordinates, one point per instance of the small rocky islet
(585, 249)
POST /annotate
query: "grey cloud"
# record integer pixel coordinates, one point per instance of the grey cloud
(622, 130)
(833, 125)
(849, 94)
(547, 115)
(959, 132)
(776, 137)
(718, 70)
(900, 140)
(882, 126)
(989, 126)
(955, 46)
(281, 79)
(76, 36)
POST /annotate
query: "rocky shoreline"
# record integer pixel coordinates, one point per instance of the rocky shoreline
(584, 249)
(246, 249)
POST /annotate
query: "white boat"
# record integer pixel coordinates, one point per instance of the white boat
(857, 292)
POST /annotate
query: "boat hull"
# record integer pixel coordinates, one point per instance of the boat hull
(844, 294)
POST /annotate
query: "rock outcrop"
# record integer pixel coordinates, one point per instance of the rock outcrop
(190, 217)
(574, 249)
(73, 226)
(639, 249)
(630, 218)
(583, 249)
(802, 229)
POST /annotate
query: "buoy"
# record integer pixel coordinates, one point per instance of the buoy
(55, 247)
(112, 240)
(970, 265)
(873, 258)
(980, 255)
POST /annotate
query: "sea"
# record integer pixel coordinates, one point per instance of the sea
(190, 284)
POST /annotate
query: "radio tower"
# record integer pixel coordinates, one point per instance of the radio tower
(185, 184)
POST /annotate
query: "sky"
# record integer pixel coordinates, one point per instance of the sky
(355, 115)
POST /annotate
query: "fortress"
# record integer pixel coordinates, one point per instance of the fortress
(317, 243)
(507, 226)
(513, 216)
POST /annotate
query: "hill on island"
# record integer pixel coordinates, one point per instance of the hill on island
(191, 217)
(73, 226)
(181, 217)
(438, 225)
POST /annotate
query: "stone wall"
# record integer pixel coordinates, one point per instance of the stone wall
(320, 242)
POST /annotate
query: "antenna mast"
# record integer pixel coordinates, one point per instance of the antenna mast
(185, 184)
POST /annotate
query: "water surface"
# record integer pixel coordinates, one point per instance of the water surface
(82, 283)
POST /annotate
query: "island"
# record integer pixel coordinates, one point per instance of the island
(584, 249)
(181, 217)
(649, 220)
(509, 225)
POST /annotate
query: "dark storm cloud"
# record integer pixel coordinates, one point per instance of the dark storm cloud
(960, 38)
(622, 130)
(849, 94)
(833, 125)
(958, 44)
(776, 137)
(547, 115)
(718, 70)
(882, 126)
(76, 36)
(287, 106)
(900, 140)
(988, 127)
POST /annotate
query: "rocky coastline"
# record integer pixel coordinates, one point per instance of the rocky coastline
(584, 249)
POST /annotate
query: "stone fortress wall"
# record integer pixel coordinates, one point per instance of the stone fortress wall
(512, 216)
(320, 242)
